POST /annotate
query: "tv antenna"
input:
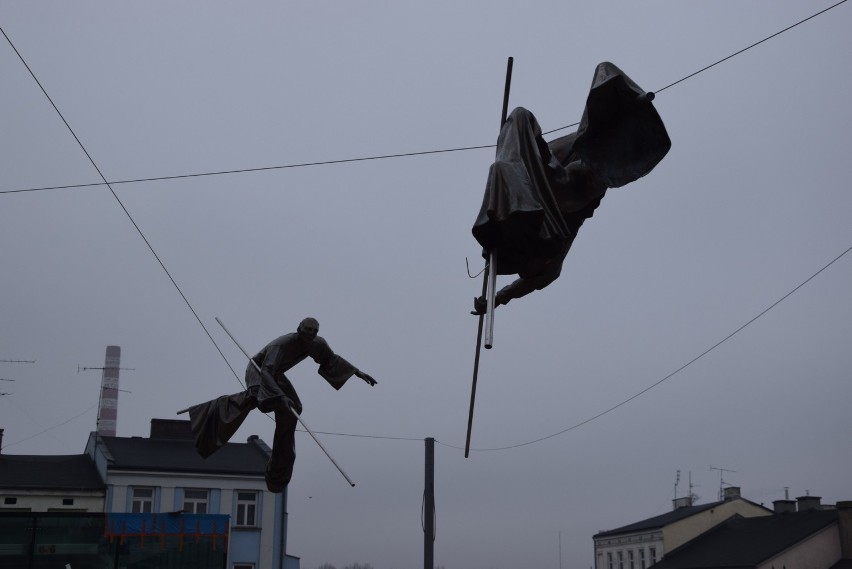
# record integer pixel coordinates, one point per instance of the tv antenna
(14, 362)
(677, 481)
(84, 368)
(691, 495)
(722, 481)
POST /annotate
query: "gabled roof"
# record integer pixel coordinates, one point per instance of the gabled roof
(747, 542)
(660, 521)
(171, 455)
(49, 472)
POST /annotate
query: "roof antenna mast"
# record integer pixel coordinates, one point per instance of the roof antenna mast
(722, 482)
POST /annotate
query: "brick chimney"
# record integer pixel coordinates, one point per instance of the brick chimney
(683, 502)
(731, 493)
(844, 521)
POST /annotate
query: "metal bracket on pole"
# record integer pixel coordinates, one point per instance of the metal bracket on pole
(298, 418)
(489, 284)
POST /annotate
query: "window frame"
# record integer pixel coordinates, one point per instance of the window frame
(250, 509)
(141, 500)
(201, 498)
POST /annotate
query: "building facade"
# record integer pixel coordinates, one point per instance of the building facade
(164, 474)
(642, 544)
(154, 487)
(810, 537)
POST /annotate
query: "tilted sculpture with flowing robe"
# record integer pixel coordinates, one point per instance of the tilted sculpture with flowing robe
(538, 194)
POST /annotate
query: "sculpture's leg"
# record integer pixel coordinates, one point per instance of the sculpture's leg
(280, 467)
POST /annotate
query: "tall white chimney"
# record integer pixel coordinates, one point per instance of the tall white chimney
(108, 406)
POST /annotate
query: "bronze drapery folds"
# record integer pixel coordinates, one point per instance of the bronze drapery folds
(538, 194)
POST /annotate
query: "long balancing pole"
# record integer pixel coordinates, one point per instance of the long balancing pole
(490, 276)
(298, 418)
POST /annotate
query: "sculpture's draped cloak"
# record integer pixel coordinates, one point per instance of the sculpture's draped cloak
(620, 137)
(215, 422)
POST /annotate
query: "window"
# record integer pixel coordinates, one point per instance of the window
(641, 559)
(630, 559)
(652, 553)
(620, 560)
(246, 508)
(10, 501)
(243, 565)
(609, 559)
(142, 501)
(67, 501)
(195, 501)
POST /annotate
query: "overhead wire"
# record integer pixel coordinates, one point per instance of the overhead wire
(120, 203)
(632, 397)
(672, 374)
(48, 429)
(329, 162)
(388, 156)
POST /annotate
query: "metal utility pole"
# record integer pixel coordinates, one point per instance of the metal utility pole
(429, 507)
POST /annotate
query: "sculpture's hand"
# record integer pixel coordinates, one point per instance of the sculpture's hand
(479, 306)
(366, 377)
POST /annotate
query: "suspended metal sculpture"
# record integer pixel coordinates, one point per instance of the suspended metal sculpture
(268, 389)
(538, 194)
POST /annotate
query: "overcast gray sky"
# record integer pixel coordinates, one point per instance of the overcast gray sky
(752, 200)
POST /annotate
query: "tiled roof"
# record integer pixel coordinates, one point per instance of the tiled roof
(747, 542)
(59, 472)
(170, 455)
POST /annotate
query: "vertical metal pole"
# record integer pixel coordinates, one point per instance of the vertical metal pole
(429, 507)
(490, 274)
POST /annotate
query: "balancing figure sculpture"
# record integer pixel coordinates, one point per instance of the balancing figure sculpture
(538, 194)
(215, 422)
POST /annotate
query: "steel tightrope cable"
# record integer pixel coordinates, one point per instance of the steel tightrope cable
(395, 155)
(120, 203)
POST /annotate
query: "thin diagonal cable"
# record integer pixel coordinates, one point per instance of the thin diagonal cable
(49, 428)
(629, 399)
(249, 170)
(400, 155)
(751, 46)
(120, 203)
(420, 439)
(672, 374)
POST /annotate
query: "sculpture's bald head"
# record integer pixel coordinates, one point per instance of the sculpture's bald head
(308, 329)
